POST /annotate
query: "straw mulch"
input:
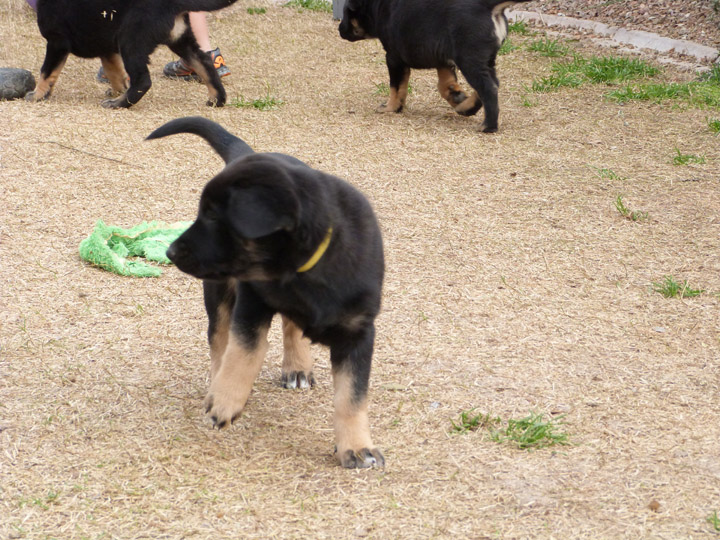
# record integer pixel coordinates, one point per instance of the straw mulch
(513, 285)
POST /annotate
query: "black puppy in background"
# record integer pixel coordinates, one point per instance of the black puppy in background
(424, 34)
(273, 235)
(123, 34)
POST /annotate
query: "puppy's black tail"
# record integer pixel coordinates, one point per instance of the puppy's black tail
(200, 5)
(227, 145)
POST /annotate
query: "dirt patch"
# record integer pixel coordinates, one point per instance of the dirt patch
(513, 285)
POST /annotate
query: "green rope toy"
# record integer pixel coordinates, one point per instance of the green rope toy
(109, 247)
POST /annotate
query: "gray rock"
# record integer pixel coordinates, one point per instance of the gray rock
(15, 83)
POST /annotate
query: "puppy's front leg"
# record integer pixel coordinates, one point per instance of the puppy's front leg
(239, 367)
(351, 374)
(399, 77)
(55, 58)
(297, 362)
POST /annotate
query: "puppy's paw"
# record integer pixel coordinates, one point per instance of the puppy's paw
(361, 459)
(112, 93)
(111, 103)
(489, 129)
(215, 102)
(389, 108)
(297, 379)
(33, 97)
(223, 409)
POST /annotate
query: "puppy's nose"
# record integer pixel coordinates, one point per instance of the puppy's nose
(172, 251)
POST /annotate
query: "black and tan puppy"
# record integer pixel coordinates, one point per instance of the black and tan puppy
(445, 35)
(273, 235)
(123, 34)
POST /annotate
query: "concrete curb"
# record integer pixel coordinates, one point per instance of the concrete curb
(636, 38)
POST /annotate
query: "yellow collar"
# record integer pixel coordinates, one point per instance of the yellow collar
(319, 252)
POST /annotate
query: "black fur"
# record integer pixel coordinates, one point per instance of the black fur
(445, 34)
(260, 220)
(130, 28)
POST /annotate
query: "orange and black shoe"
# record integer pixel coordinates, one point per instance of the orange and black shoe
(180, 70)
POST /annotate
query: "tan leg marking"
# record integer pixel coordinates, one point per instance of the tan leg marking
(468, 104)
(219, 340)
(449, 88)
(231, 385)
(396, 102)
(45, 84)
(115, 72)
(352, 427)
(202, 72)
(297, 364)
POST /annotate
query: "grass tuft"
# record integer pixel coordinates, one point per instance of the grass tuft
(264, 103)
(507, 47)
(310, 5)
(670, 288)
(624, 211)
(686, 159)
(714, 520)
(699, 94)
(518, 27)
(472, 422)
(714, 125)
(549, 47)
(606, 174)
(533, 431)
(256, 10)
(595, 70)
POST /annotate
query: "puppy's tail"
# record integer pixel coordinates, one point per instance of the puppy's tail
(200, 5)
(227, 145)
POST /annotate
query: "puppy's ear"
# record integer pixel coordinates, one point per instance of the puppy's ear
(258, 211)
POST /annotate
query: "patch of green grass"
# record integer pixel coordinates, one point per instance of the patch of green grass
(549, 47)
(533, 431)
(256, 10)
(686, 159)
(264, 103)
(595, 70)
(507, 47)
(553, 82)
(606, 174)
(311, 5)
(670, 288)
(469, 421)
(526, 102)
(714, 125)
(520, 27)
(712, 75)
(699, 94)
(714, 520)
(632, 215)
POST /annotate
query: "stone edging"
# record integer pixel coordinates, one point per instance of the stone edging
(636, 38)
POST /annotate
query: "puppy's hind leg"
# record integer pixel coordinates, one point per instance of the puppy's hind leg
(351, 374)
(480, 74)
(140, 83)
(399, 77)
(297, 361)
(187, 48)
(55, 58)
(115, 72)
(448, 86)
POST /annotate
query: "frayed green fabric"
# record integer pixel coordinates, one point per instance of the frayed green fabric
(117, 250)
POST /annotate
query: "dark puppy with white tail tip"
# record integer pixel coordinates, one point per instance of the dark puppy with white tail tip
(123, 34)
(273, 235)
(445, 35)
